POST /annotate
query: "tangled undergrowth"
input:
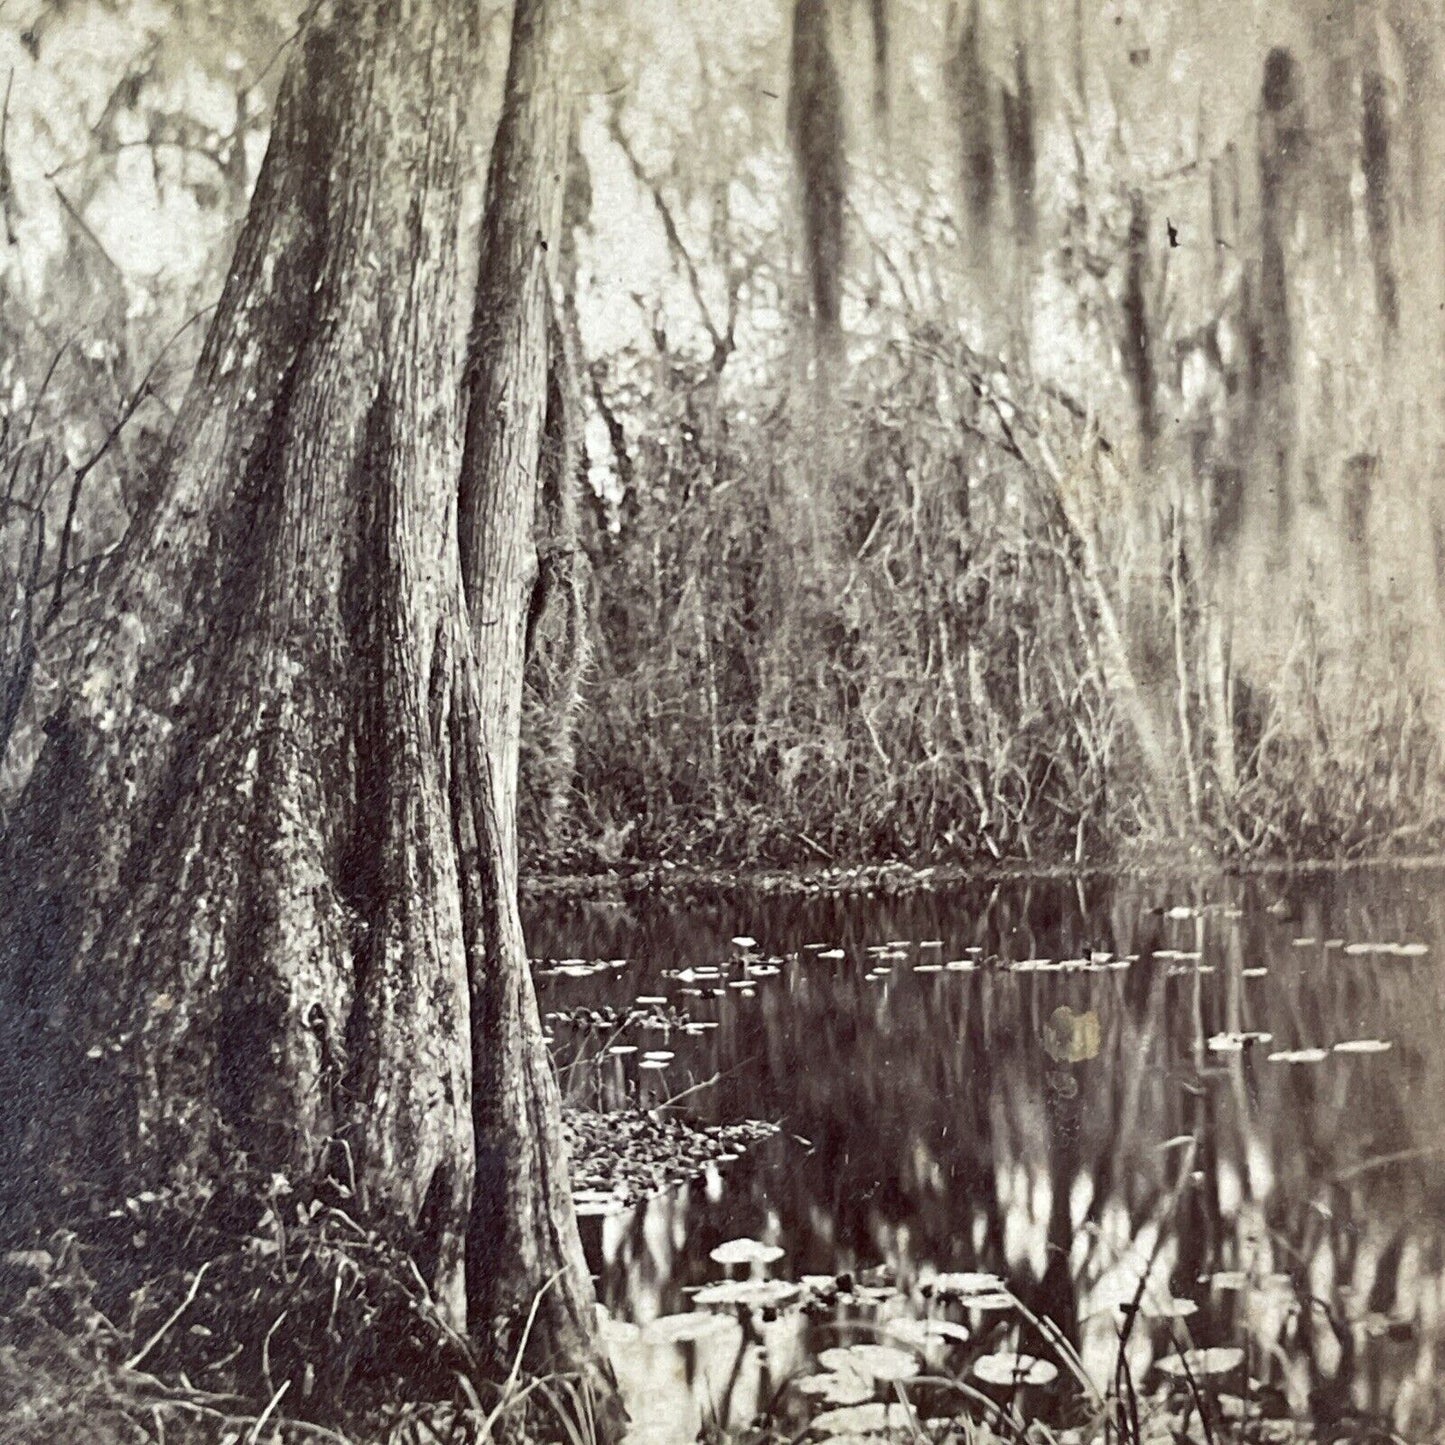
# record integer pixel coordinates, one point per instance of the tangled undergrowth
(308, 1328)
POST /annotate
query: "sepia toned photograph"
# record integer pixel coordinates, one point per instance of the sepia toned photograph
(722, 722)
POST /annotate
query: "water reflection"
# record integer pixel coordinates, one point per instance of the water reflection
(1072, 1131)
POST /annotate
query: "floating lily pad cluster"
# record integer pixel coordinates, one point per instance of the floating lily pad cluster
(918, 1375)
(841, 1394)
(649, 1012)
(622, 1157)
(1364, 950)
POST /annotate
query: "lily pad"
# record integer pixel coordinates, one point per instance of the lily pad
(1363, 1046)
(875, 1362)
(863, 1419)
(1234, 1043)
(835, 1387)
(920, 1334)
(1299, 1056)
(960, 1284)
(746, 1251)
(1216, 1360)
(1012, 1368)
(758, 1294)
(592, 1203)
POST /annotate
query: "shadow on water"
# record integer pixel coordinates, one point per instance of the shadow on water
(1070, 1130)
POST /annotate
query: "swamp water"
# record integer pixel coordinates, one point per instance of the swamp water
(1018, 1120)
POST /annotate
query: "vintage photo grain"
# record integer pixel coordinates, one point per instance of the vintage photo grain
(722, 721)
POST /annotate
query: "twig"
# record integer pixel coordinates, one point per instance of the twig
(254, 1437)
(1380, 1161)
(691, 1089)
(722, 342)
(81, 472)
(83, 226)
(7, 184)
(266, 1344)
(180, 1309)
(516, 1371)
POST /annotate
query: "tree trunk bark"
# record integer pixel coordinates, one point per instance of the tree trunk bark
(258, 898)
(523, 1230)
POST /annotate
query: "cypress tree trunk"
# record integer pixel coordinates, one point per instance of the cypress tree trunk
(523, 1232)
(1137, 340)
(257, 900)
(1019, 122)
(1375, 162)
(815, 127)
(1282, 140)
(968, 81)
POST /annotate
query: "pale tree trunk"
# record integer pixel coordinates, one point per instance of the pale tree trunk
(249, 899)
(522, 1221)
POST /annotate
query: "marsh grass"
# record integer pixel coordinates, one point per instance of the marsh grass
(947, 620)
(330, 1336)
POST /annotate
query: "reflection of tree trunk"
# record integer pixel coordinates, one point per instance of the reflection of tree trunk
(1057, 1296)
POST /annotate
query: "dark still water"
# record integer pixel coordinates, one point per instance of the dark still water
(1230, 1089)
